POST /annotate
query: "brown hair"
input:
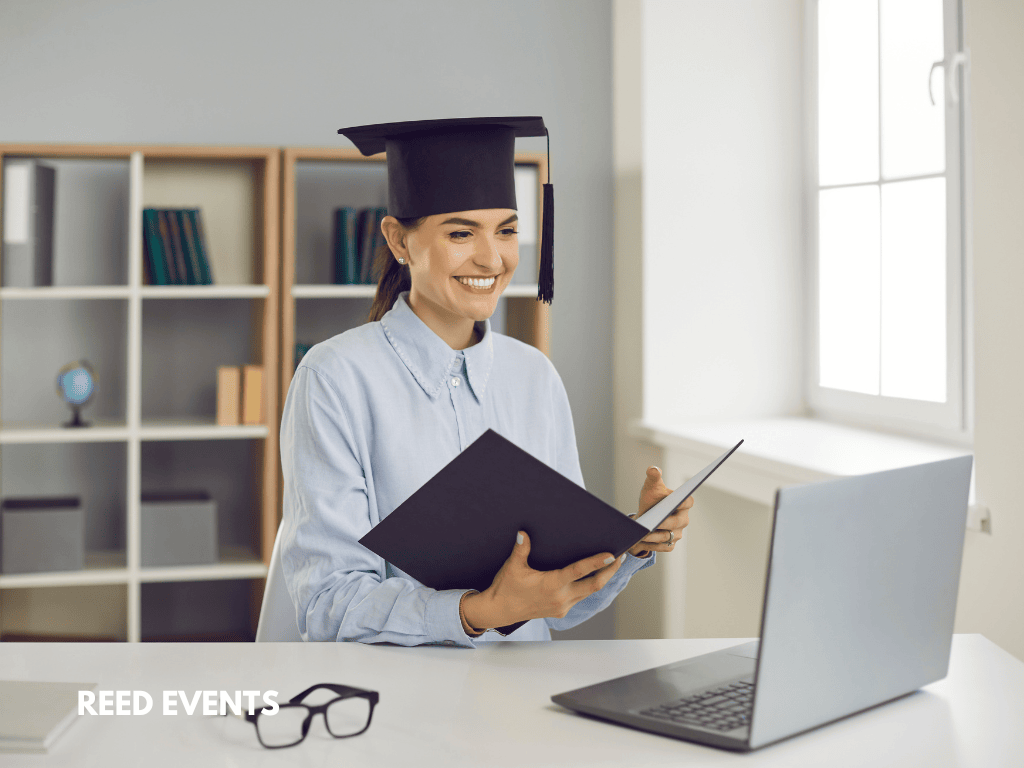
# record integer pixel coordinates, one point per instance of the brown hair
(394, 277)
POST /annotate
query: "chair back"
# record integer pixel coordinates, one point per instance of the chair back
(277, 615)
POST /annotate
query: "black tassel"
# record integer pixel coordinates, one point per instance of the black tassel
(546, 280)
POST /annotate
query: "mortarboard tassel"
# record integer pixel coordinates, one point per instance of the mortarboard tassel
(546, 283)
(546, 279)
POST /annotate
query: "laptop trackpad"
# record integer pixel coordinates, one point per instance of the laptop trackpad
(747, 650)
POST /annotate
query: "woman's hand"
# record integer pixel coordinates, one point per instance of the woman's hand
(519, 593)
(665, 536)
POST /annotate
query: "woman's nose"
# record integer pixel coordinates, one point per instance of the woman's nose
(487, 254)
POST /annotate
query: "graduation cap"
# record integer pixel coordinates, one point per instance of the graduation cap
(460, 164)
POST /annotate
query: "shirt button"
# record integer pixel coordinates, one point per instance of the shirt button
(455, 382)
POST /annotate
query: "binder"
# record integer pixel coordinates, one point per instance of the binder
(458, 529)
(28, 214)
(229, 395)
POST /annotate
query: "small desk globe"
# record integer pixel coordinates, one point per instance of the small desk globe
(76, 383)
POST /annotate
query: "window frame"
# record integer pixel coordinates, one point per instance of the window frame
(951, 421)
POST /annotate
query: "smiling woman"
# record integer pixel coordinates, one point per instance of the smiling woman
(374, 412)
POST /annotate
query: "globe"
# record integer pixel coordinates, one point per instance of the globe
(76, 383)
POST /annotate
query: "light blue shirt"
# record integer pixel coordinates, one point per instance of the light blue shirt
(370, 416)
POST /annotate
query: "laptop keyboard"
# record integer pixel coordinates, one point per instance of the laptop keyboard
(721, 709)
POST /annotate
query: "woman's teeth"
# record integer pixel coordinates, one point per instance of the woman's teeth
(476, 282)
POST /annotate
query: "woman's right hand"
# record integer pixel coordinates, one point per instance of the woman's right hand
(520, 593)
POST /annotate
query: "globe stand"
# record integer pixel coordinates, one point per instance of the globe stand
(77, 421)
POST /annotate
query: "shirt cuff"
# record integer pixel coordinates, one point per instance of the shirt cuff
(443, 622)
(639, 563)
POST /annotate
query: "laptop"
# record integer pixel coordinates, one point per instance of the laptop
(858, 610)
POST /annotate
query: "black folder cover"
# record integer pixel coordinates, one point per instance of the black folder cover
(458, 529)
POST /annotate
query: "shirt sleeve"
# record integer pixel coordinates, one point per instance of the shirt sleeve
(339, 589)
(569, 465)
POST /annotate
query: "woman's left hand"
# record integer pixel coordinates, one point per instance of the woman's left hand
(665, 537)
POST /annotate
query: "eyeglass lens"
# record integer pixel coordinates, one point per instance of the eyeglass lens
(284, 728)
(347, 717)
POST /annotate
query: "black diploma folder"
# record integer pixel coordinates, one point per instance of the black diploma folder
(458, 529)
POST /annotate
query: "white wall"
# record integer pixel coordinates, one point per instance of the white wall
(992, 579)
(722, 291)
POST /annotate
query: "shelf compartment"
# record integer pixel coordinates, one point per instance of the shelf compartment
(95, 612)
(229, 193)
(59, 332)
(90, 228)
(199, 610)
(94, 472)
(207, 334)
(230, 471)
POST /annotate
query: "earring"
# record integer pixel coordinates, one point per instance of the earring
(401, 261)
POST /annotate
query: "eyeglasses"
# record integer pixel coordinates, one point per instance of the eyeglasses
(348, 714)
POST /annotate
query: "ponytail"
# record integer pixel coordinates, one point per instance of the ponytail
(394, 277)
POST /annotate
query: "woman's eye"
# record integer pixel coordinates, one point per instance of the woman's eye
(509, 231)
(459, 235)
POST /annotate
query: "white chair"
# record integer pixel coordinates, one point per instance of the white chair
(277, 615)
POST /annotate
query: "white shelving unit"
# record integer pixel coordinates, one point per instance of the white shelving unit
(123, 567)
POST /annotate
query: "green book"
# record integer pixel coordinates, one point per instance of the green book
(154, 247)
(177, 247)
(343, 241)
(365, 230)
(167, 247)
(205, 273)
(191, 254)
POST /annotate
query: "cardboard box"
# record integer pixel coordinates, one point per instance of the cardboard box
(39, 534)
(178, 528)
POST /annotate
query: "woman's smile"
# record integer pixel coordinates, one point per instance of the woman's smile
(480, 285)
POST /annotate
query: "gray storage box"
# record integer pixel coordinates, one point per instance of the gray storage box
(42, 534)
(178, 528)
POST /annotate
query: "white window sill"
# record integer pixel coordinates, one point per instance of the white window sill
(790, 451)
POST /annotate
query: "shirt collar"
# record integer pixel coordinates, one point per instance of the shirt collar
(428, 357)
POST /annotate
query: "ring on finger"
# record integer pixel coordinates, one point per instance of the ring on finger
(671, 537)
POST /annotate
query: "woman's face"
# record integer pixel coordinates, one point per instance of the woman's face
(460, 263)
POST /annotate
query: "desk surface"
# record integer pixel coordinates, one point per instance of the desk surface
(490, 706)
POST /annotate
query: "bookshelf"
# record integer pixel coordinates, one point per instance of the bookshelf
(316, 180)
(155, 350)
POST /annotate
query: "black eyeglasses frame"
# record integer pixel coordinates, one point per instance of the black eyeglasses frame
(343, 691)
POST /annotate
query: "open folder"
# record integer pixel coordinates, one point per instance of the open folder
(458, 529)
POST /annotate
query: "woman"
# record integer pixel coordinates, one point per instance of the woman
(376, 411)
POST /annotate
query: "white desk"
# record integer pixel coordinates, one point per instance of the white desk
(490, 707)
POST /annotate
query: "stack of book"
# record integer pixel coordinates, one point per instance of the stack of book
(33, 715)
(356, 237)
(175, 247)
(240, 397)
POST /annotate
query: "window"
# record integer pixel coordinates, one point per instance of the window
(887, 342)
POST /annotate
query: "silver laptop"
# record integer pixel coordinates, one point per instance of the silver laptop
(858, 610)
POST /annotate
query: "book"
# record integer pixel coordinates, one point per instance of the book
(365, 241)
(153, 246)
(189, 246)
(28, 211)
(379, 241)
(229, 395)
(252, 394)
(167, 248)
(458, 528)
(300, 352)
(343, 246)
(205, 272)
(178, 247)
(35, 714)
